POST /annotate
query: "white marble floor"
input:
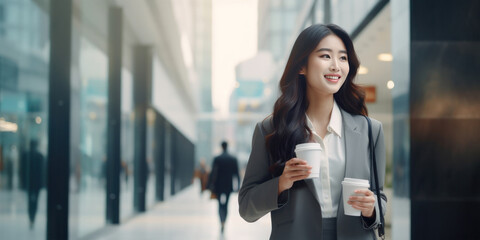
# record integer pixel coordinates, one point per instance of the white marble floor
(188, 215)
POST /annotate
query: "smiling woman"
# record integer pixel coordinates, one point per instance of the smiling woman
(319, 102)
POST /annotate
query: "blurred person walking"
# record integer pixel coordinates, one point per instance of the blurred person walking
(203, 175)
(224, 169)
(36, 168)
(320, 103)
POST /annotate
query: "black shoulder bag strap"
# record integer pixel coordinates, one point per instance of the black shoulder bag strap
(381, 228)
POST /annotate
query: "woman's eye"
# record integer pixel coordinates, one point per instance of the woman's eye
(344, 58)
(325, 56)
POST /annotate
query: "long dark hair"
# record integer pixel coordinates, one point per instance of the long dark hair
(288, 120)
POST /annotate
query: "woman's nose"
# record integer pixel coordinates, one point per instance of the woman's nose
(334, 67)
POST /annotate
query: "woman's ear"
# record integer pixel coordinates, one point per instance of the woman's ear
(302, 71)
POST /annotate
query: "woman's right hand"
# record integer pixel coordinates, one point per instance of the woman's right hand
(295, 169)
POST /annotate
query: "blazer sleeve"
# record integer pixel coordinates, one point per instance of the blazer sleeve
(259, 192)
(380, 156)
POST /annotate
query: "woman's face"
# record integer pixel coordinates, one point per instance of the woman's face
(327, 66)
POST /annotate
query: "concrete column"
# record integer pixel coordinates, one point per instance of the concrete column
(115, 26)
(58, 164)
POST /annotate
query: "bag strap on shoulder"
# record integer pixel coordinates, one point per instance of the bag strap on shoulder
(381, 228)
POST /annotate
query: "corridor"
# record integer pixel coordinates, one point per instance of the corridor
(188, 215)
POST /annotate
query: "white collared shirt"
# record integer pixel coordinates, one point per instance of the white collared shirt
(332, 164)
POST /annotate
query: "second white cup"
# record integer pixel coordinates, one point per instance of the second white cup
(349, 187)
(312, 153)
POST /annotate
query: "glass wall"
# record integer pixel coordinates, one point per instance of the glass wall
(127, 149)
(168, 177)
(319, 11)
(349, 14)
(151, 199)
(283, 17)
(24, 101)
(89, 102)
(24, 63)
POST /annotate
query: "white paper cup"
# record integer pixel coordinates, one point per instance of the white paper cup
(349, 187)
(312, 153)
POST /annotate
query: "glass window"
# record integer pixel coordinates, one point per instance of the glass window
(277, 46)
(88, 121)
(320, 11)
(348, 14)
(293, 5)
(157, 142)
(168, 160)
(23, 120)
(276, 21)
(88, 138)
(2, 14)
(127, 149)
(289, 20)
(275, 4)
(151, 198)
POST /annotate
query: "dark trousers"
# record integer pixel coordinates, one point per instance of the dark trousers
(32, 204)
(223, 205)
(329, 228)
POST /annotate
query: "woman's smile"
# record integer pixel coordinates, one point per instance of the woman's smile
(332, 77)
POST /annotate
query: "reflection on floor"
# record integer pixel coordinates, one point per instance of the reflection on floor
(189, 215)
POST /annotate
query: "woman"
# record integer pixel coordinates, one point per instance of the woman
(319, 103)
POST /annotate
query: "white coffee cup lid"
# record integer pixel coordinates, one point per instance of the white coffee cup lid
(308, 146)
(356, 181)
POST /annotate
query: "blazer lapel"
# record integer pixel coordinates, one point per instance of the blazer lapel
(352, 139)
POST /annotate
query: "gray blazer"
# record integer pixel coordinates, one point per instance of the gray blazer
(296, 213)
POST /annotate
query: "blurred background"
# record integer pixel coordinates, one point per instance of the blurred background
(108, 107)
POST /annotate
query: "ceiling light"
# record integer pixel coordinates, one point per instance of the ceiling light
(267, 91)
(6, 126)
(362, 70)
(92, 115)
(390, 84)
(385, 57)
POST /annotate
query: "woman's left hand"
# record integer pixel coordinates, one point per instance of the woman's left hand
(365, 202)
